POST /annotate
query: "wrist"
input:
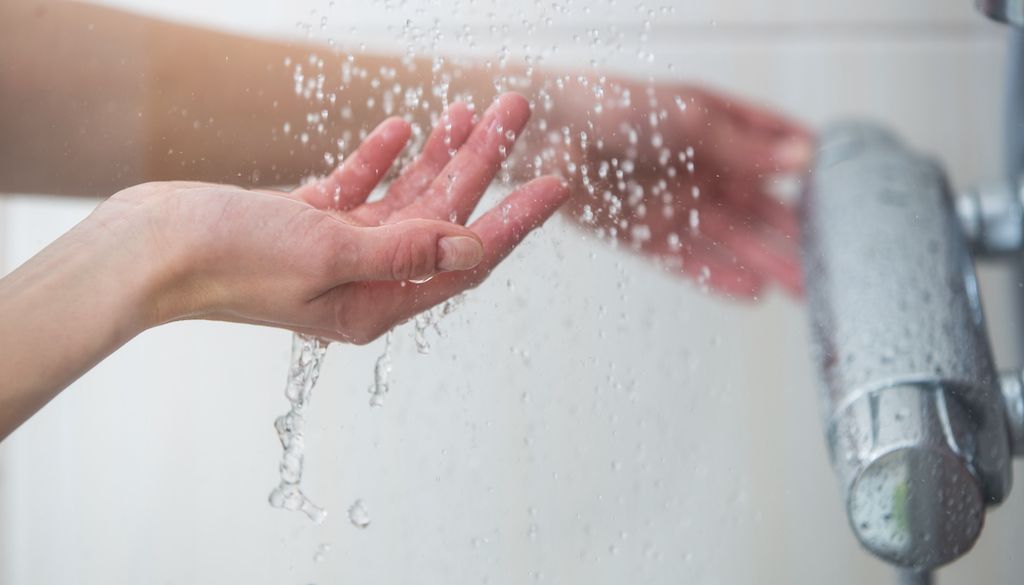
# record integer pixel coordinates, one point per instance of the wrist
(68, 308)
(139, 264)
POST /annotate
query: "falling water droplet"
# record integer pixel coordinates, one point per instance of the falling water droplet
(381, 374)
(358, 515)
(321, 553)
(307, 357)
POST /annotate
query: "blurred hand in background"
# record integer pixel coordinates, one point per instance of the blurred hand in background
(684, 176)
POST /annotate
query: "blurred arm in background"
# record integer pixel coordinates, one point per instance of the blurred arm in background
(93, 100)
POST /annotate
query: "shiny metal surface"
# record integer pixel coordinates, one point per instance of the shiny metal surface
(914, 415)
(992, 217)
(1008, 11)
(1013, 137)
(1012, 384)
(911, 577)
(905, 454)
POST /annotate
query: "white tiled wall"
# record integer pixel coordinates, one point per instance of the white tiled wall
(584, 419)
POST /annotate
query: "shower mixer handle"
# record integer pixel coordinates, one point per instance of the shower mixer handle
(914, 414)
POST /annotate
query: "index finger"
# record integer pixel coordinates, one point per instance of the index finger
(458, 188)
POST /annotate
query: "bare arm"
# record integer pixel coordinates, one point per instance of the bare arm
(320, 260)
(93, 100)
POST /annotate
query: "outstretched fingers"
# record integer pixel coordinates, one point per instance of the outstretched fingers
(501, 229)
(352, 182)
(444, 141)
(747, 139)
(455, 192)
(363, 311)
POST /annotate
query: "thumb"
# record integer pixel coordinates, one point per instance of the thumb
(413, 250)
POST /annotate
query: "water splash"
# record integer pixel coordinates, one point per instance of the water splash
(307, 357)
(431, 320)
(381, 374)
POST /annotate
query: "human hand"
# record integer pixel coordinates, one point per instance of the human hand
(682, 174)
(321, 260)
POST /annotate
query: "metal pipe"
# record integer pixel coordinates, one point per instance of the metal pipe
(992, 217)
(1013, 137)
(912, 577)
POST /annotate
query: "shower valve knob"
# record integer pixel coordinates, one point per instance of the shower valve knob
(915, 416)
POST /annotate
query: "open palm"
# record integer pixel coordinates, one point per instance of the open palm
(458, 162)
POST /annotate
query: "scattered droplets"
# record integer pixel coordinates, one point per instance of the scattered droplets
(674, 243)
(625, 202)
(704, 277)
(640, 234)
(587, 216)
(430, 320)
(321, 553)
(336, 197)
(358, 515)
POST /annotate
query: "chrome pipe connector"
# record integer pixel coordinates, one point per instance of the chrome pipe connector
(992, 217)
(904, 456)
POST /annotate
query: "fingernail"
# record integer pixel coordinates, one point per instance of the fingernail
(458, 253)
(794, 154)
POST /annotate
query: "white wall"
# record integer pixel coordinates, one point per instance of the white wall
(652, 434)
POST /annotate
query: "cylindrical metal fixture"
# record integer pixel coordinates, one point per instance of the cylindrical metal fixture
(912, 405)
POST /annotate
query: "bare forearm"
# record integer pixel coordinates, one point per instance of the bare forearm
(93, 100)
(160, 252)
(63, 312)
